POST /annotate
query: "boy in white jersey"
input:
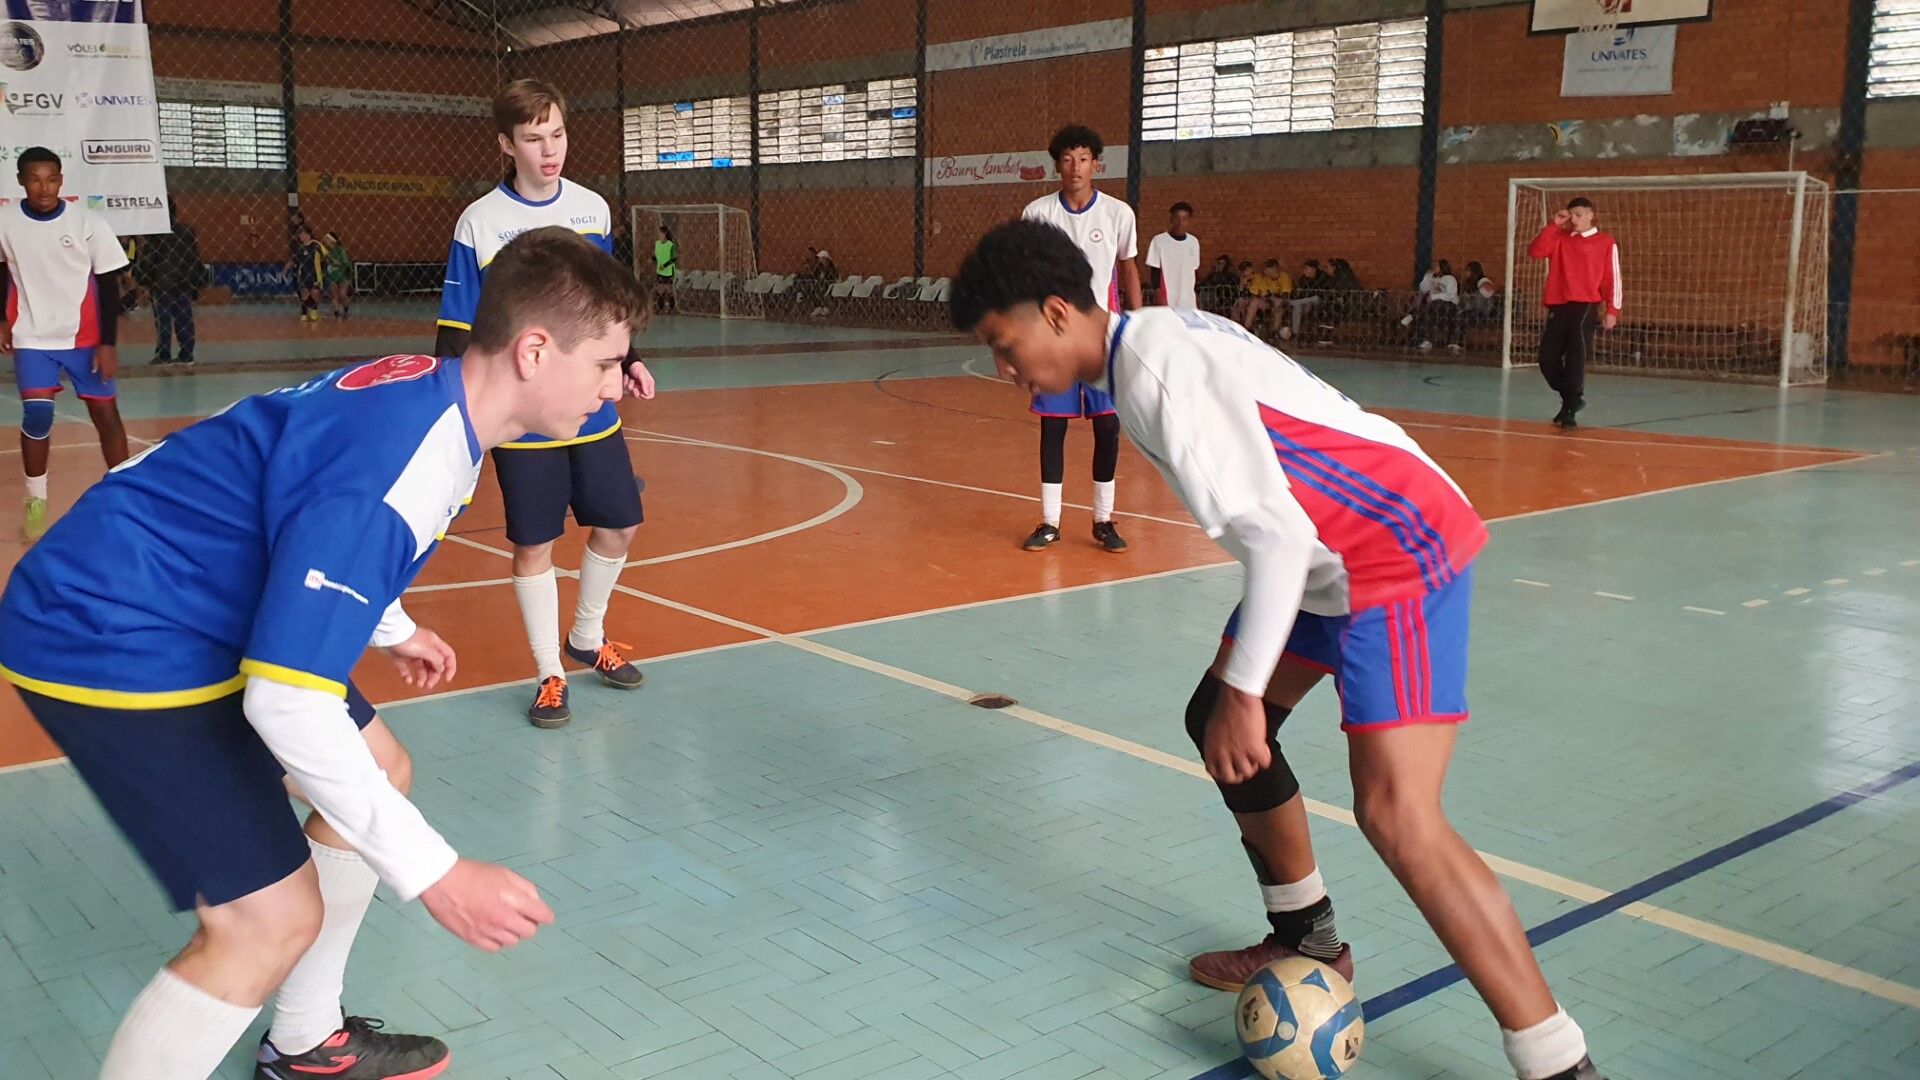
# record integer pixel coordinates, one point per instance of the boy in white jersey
(59, 265)
(1174, 257)
(305, 513)
(1103, 228)
(591, 472)
(1358, 552)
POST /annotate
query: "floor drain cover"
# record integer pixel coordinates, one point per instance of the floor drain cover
(991, 701)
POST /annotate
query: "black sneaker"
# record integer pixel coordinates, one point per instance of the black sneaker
(1043, 538)
(1564, 418)
(610, 663)
(549, 709)
(358, 1051)
(1108, 537)
(1582, 1071)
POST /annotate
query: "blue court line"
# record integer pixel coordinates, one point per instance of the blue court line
(1434, 981)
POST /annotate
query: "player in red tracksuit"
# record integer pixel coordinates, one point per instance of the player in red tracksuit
(1583, 292)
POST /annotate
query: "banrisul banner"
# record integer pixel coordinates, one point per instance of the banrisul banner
(77, 78)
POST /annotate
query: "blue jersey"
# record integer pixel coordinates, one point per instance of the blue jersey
(266, 540)
(485, 227)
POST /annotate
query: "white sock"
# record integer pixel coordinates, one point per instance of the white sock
(174, 1031)
(37, 486)
(1303, 893)
(1050, 503)
(307, 1012)
(598, 574)
(1102, 500)
(539, 600)
(1551, 1046)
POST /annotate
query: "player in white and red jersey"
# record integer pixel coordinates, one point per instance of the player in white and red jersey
(58, 262)
(1358, 551)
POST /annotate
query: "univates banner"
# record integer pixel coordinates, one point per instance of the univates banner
(76, 76)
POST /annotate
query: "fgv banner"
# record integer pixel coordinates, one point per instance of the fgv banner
(77, 78)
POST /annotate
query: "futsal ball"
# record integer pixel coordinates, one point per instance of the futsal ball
(1298, 1020)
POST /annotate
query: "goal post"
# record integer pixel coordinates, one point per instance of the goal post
(1724, 274)
(715, 271)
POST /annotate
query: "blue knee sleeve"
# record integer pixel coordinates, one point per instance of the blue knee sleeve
(36, 418)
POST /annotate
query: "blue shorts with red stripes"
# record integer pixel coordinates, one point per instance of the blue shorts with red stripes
(1080, 400)
(36, 372)
(1397, 664)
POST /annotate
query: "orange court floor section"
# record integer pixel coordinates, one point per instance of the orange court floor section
(792, 509)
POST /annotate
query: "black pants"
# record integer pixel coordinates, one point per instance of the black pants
(172, 315)
(1565, 346)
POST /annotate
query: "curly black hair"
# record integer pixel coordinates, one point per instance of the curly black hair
(1020, 262)
(35, 155)
(1076, 137)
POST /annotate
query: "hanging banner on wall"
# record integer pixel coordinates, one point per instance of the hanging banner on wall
(82, 86)
(1044, 44)
(413, 187)
(1022, 167)
(1627, 62)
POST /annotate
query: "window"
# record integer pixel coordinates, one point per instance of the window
(876, 119)
(1893, 65)
(222, 136)
(711, 134)
(1363, 75)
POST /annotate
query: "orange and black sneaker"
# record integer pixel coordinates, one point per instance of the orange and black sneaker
(358, 1051)
(609, 662)
(550, 704)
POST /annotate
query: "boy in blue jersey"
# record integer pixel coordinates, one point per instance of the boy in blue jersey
(589, 470)
(239, 569)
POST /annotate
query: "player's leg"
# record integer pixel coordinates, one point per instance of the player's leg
(1054, 411)
(1553, 347)
(1579, 352)
(1272, 817)
(199, 797)
(37, 376)
(1106, 462)
(311, 1030)
(101, 397)
(163, 320)
(1401, 705)
(536, 484)
(606, 499)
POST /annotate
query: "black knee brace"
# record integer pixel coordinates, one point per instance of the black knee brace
(1272, 786)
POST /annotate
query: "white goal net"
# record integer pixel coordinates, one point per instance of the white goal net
(1724, 275)
(715, 272)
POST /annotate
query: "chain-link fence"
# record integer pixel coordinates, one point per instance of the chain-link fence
(863, 144)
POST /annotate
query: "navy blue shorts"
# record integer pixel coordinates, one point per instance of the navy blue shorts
(539, 484)
(1078, 401)
(193, 789)
(1393, 665)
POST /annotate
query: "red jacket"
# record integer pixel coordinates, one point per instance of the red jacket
(1582, 268)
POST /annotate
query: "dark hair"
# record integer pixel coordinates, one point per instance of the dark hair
(1446, 268)
(1270, 264)
(557, 277)
(1075, 137)
(669, 233)
(1176, 207)
(525, 101)
(1579, 201)
(34, 155)
(1476, 272)
(1020, 262)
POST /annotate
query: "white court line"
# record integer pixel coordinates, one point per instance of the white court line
(1611, 595)
(850, 499)
(1703, 610)
(967, 366)
(1699, 929)
(1687, 487)
(1533, 583)
(1562, 437)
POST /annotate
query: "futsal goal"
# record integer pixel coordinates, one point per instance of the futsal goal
(715, 273)
(1724, 275)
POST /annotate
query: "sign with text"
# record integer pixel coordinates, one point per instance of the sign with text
(1020, 167)
(1044, 44)
(1628, 62)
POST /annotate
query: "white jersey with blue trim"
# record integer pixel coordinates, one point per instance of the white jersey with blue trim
(267, 540)
(1103, 230)
(485, 227)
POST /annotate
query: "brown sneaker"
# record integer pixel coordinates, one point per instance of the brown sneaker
(1230, 969)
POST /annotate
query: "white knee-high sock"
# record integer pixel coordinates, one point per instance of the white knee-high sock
(37, 486)
(307, 1012)
(1102, 500)
(1050, 498)
(598, 575)
(174, 1031)
(539, 598)
(1549, 1047)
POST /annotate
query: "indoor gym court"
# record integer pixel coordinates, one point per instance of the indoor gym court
(901, 801)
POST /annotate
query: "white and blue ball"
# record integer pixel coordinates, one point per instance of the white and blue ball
(1298, 1020)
